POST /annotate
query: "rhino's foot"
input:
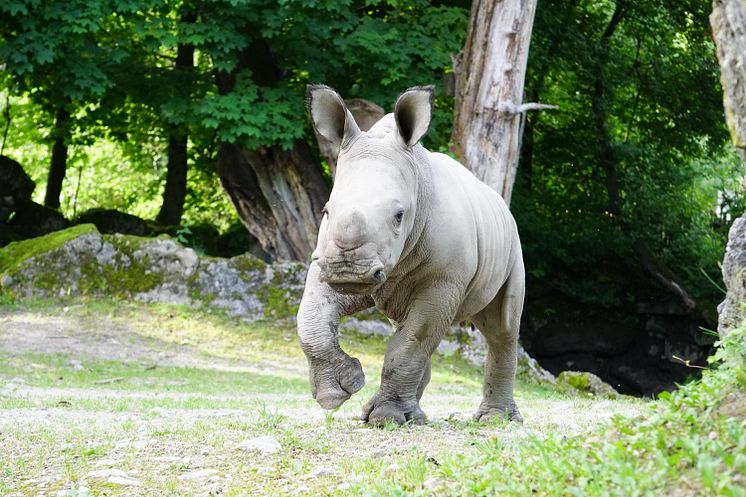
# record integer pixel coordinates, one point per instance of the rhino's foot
(509, 413)
(332, 384)
(379, 411)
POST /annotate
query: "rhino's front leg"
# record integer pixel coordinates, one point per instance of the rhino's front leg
(406, 365)
(334, 376)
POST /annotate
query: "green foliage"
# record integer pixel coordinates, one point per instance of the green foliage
(112, 66)
(676, 177)
(691, 442)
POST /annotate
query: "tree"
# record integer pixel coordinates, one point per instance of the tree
(490, 72)
(61, 54)
(728, 19)
(265, 162)
(174, 191)
(623, 182)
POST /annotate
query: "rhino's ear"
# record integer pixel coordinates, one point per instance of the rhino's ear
(413, 111)
(330, 116)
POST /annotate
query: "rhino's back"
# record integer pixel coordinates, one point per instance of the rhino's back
(484, 235)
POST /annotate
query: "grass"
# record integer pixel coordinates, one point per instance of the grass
(170, 399)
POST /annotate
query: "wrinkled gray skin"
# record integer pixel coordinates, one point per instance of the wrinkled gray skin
(416, 235)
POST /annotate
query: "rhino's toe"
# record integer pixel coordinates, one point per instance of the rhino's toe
(484, 415)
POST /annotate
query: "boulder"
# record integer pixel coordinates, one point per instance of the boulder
(32, 220)
(585, 383)
(7, 235)
(112, 221)
(15, 187)
(82, 261)
(731, 311)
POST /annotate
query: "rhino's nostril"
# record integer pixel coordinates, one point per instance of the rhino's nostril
(379, 276)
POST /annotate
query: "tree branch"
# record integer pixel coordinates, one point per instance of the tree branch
(508, 107)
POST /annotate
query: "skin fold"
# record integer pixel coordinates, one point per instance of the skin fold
(416, 235)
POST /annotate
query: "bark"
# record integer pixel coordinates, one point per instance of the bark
(728, 20)
(279, 194)
(176, 176)
(490, 72)
(58, 165)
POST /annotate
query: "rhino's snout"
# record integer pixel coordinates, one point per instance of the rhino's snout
(352, 275)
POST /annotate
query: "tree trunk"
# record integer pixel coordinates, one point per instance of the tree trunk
(58, 165)
(490, 72)
(279, 194)
(728, 22)
(176, 176)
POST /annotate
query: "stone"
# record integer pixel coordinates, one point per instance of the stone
(112, 221)
(731, 311)
(264, 444)
(15, 187)
(586, 383)
(114, 476)
(32, 220)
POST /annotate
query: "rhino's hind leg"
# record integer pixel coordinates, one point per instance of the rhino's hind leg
(500, 322)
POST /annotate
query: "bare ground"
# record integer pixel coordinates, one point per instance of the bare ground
(159, 436)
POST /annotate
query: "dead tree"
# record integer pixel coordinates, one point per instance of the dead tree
(490, 72)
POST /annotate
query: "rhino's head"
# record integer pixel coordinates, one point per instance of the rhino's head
(371, 210)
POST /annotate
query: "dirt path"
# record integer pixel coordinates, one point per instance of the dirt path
(75, 419)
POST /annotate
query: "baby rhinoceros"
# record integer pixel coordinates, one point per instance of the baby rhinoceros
(416, 235)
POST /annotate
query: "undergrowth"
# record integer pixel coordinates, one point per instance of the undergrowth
(690, 442)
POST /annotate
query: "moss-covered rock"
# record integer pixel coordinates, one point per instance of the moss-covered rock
(585, 383)
(82, 261)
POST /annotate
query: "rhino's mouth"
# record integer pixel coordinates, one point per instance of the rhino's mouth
(358, 277)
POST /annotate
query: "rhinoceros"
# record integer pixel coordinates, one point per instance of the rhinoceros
(416, 235)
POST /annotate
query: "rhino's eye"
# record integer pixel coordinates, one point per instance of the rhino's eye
(398, 217)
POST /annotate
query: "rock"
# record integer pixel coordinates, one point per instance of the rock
(584, 382)
(731, 311)
(447, 347)
(432, 483)
(529, 369)
(15, 187)
(367, 326)
(264, 444)
(7, 235)
(114, 476)
(32, 220)
(111, 221)
(322, 471)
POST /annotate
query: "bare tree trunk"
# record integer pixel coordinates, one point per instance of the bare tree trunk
(176, 176)
(490, 72)
(58, 164)
(728, 22)
(279, 196)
